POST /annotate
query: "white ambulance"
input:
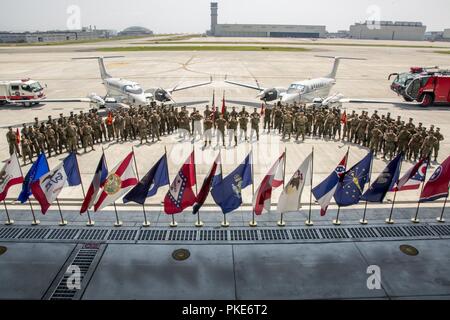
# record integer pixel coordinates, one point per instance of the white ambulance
(25, 89)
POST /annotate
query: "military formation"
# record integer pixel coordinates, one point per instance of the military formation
(383, 135)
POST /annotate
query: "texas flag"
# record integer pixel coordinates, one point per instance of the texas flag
(10, 175)
(48, 187)
(101, 173)
(273, 179)
(213, 178)
(325, 191)
(412, 179)
(180, 194)
(437, 186)
(118, 182)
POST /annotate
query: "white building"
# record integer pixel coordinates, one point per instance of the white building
(263, 30)
(388, 30)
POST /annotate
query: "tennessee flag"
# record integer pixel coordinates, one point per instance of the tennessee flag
(180, 194)
(437, 186)
(118, 182)
(273, 179)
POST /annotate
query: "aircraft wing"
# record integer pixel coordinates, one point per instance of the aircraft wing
(249, 86)
(178, 88)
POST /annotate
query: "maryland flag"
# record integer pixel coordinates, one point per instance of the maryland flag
(344, 118)
(17, 136)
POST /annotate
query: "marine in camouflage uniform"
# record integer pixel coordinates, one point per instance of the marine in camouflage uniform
(86, 134)
(427, 145)
(243, 122)
(414, 146)
(208, 127)
(51, 141)
(26, 150)
(221, 124)
(300, 126)
(142, 129)
(154, 119)
(232, 130)
(376, 136)
(287, 125)
(390, 139)
(254, 122)
(267, 119)
(12, 142)
(439, 138)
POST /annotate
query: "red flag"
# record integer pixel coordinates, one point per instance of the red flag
(17, 136)
(344, 118)
(223, 103)
(214, 100)
(110, 118)
(273, 179)
(437, 186)
(180, 194)
(208, 183)
(262, 109)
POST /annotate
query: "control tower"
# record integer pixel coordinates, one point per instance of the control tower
(214, 8)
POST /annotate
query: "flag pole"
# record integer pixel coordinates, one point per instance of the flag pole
(118, 223)
(63, 222)
(8, 221)
(390, 220)
(253, 223)
(281, 223)
(224, 223)
(90, 222)
(336, 221)
(173, 224)
(363, 220)
(441, 218)
(309, 222)
(415, 219)
(146, 223)
(34, 222)
(199, 222)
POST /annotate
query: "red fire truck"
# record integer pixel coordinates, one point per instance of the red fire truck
(25, 89)
(425, 85)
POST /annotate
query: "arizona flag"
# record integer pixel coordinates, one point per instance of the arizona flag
(10, 175)
(273, 179)
(118, 182)
(180, 194)
(325, 191)
(412, 179)
(437, 186)
(213, 178)
(289, 200)
(48, 187)
(101, 173)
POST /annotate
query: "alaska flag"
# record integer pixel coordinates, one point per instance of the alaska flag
(37, 170)
(351, 187)
(148, 186)
(227, 194)
(385, 181)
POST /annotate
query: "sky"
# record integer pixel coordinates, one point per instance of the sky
(193, 16)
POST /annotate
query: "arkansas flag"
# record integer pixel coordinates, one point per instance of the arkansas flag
(10, 175)
(437, 186)
(48, 187)
(289, 200)
(412, 179)
(180, 194)
(118, 182)
(101, 173)
(273, 179)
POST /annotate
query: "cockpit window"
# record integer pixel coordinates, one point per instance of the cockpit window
(134, 89)
(33, 87)
(296, 88)
(404, 78)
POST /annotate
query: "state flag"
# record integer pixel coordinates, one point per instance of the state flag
(39, 168)
(412, 179)
(99, 179)
(10, 175)
(213, 177)
(437, 186)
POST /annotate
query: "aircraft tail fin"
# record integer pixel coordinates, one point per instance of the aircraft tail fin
(337, 61)
(103, 73)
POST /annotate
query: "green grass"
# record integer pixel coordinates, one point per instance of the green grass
(443, 52)
(312, 43)
(203, 48)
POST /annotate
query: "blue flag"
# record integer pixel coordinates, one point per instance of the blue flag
(227, 193)
(37, 170)
(148, 186)
(70, 165)
(385, 181)
(351, 186)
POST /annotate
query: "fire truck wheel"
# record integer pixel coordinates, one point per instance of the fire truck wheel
(407, 99)
(27, 104)
(427, 100)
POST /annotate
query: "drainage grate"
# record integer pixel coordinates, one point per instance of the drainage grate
(304, 234)
(34, 234)
(82, 260)
(63, 234)
(213, 235)
(391, 232)
(122, 235)
(244, 235)
(442, 230)
(9, 233)
(363, 232)
(419, 231)
(93, 234)
(328, 233)
(153, 235)
(274, 234)
(182, 235)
